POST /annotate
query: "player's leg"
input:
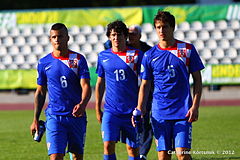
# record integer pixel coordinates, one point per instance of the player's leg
(110, 135)
(76, 136)
(163, 136)
(130, 137)
(146, 138)
(183, 139)
(56, 137)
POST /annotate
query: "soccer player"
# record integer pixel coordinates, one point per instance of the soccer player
(118, 69)
(169, 64)
(65, 75)
(147, 135)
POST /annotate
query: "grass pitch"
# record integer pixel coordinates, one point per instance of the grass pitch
(215, 136)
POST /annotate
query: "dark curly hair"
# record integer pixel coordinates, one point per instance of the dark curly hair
(165, 17)
(118, 26)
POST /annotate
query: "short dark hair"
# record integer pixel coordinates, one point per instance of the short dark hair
(118, 26)
(58, 26)
(165, 17)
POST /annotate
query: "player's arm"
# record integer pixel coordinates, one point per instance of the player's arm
(79, 109)
(39, 100)
(143, 95)
(99, 91)
(197, 93)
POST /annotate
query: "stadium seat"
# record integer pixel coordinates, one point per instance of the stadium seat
(13, 50)
(92, 38)
(37, 49)
(3, 32)
(7, 41)
(71, 40)
(26, 31)
(86, 48)
(92, 58)
(178, 34)
(211, 44)
(2, 66)
(212, 61)
(216, 34)
(236, 60)
(203, 35)
(235, 43)
(231, 53)
(218, 53)
(31, 59)
(229, 34)
(18, 59)
(153, 37)
(12, 66)
(38, 30)
(31, 40)
(74, 47)
(3, 50)
(98, 47)
(199, 44)
(79, 39)
(43, 39)
(13, 31)
(24, 66)
(74, 30)
(205, 53)
(209, 25)
(196, 26)
(234, 24)
(7, 60)
(102, 38)
(143, 37)
(86, 29)
(47, 48)
(99, 29)
(221, 24)
(224, 43)
(191, 35)
(19, 40)
(184, 26)
(147, 28)
(25, 49)
(226, 60)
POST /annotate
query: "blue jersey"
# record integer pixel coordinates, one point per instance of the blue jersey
(120, 71)
(170, 69)
(62, 76)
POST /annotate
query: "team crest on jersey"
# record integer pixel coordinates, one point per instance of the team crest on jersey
(73, 63)
(130, 59)
(182, 52)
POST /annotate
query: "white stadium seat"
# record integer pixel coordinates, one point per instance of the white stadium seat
(147, 27)
(86, 29)
(74, 47)
(26, 31)
(92, 38)
(43, 39)
(235, 43)
(229, 34)
(143, 37)
(184, 26)
(221, 24)
(226, 60)
(3, 32)
(224, 43)
(13, 50)
(18, 59)
(38, 30)
(211, 44)
(2, 66)
(31, 40)
(31, 59)
(191, 35)
(7, 60)
(13, 32)
(209, 25)
(12, 66)
(98, 47)
(19, 40)
(231, 53)
(7, 41)
(99, 29)
(196, 26)
(37, 49)
(203, 35)
(74, 30)
(153, 37)
(178, 34)
(216, 34)
(237, 60)
(25, 49)
(205, 53)
(3, 50)
(24, 66)
(212, 61)
(234, 24)
(218, 53)
(199, 44)
(86, 48)
(79, 39)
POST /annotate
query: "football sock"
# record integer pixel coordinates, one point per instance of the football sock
(109, 157)
(133, 158)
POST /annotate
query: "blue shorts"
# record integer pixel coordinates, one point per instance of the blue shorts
(172, 134)
(63, 131)
(115, 128)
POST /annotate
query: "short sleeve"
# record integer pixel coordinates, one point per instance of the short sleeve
(83, 70)
(195, 61)
(41, 78)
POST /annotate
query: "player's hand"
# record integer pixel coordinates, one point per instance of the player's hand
(34, 127)
(78, 110)
(192, 114)
(99, 115)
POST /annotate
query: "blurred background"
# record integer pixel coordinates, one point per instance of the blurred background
(212, 26)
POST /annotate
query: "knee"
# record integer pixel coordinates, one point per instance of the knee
(109, 147)
(184, 156)
(133, 152)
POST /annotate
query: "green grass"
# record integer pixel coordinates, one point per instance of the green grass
(217, 132)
